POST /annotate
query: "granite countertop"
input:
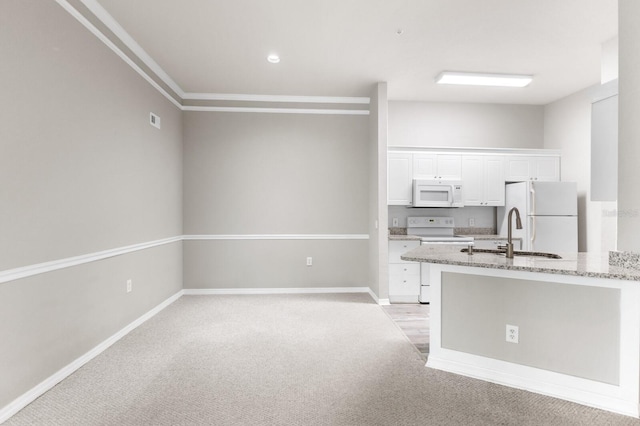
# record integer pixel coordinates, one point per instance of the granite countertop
(404, 238)
(594, 265)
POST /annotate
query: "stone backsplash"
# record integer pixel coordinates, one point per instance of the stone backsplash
(456, 231)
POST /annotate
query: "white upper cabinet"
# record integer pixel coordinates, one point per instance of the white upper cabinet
(483, 180)
(399, 179)
(532, 167)
(483, 173)
(547, 169)
(437, 166)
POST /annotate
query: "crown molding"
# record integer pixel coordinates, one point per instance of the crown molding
(113, 25)
(326, 111)
(94, 7)
(103, 38)
(277, 98)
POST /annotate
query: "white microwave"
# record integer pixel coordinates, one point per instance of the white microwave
(437, 193)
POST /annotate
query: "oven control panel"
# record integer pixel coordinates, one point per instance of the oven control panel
(430, 222)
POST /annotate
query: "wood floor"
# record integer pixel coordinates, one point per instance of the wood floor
(413, 319)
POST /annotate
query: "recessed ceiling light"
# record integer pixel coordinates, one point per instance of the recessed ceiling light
(273, 58)
(483, 79)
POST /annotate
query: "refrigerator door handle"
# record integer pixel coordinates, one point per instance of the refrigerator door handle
(533, 230)
(532, 191)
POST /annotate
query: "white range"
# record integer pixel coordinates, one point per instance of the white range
(434, 231)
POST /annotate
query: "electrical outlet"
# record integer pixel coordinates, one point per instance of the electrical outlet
(395, 221)
(472, 221)
(513, 334)
(129, 286)
(309, 261)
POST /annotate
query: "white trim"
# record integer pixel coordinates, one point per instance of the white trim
(277, 110)
(479, 150)
(622, 398)
(54, 265)
(101, 14)
(292, 290)
(380, 302)
(41, 268)
(277, 98)
(108, 20)
(581, 391)
(25, 399)
(277, 237)
(84, 21)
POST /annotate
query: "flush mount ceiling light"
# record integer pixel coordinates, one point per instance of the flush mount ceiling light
(273, 58)
(483, 79)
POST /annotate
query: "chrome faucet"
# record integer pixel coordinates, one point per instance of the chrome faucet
(509, 247)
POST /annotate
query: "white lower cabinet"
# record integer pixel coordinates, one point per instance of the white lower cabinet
(404, 277)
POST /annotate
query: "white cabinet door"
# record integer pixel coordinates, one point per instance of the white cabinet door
(472, 180)
(483, 180)
(437, 166)
(399, 179)
(493, 180)
(520, 168)
(425, 166)
(547, 169)
(449, 167)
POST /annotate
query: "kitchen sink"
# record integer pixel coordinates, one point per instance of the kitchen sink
(515, 253)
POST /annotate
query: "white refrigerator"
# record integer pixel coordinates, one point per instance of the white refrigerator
(549, 213)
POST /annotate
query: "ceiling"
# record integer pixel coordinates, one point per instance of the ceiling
(343, 47)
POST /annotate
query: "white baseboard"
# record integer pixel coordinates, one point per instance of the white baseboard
(28, 397)
(581, 391)
(293, 290)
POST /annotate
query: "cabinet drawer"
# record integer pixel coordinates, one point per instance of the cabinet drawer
(408, 285)
(398, 248)
(406, 269)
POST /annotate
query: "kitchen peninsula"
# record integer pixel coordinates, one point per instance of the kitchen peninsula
(568, 328)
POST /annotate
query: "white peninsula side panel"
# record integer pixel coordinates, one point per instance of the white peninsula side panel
(579, 337)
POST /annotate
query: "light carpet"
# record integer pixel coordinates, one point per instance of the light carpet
(283, 360)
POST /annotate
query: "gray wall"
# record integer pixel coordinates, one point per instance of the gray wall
(435, 124)
(568, 129)
(484, 217)
(629, 127)
(564, 328)
(255, 173)
(81, 171)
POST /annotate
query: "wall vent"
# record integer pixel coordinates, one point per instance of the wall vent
(154, 120)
